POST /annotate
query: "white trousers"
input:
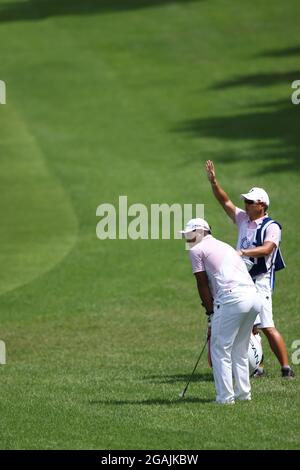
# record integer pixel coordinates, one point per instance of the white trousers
(230, 335)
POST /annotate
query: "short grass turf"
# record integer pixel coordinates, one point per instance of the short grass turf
(109, 98)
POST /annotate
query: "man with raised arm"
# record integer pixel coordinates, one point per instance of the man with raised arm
(258, 241)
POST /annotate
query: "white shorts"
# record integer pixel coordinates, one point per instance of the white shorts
(265, 318)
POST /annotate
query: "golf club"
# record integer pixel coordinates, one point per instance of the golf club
(188, 383)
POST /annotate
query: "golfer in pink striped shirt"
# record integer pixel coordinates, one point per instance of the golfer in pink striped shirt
(230, 297)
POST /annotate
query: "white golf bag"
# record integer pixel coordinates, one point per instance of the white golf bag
(255, 353)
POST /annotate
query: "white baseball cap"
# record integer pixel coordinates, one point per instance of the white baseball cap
(195, 224)
(257, 195)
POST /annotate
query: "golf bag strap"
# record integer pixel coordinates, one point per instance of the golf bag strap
(277, 262)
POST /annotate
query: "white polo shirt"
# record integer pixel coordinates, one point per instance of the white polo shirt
(226, 271)
(247, 234)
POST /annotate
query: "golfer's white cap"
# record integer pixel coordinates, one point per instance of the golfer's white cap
(257, 195)
(195, 224)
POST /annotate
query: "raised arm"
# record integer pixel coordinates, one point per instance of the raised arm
(219, 192)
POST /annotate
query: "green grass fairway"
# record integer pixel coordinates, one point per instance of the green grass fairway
(109, 98)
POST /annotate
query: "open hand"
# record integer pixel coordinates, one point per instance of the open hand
(211, 174)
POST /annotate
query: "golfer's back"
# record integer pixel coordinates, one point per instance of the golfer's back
(226, 271)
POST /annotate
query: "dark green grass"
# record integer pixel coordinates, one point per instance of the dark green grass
(111, 98)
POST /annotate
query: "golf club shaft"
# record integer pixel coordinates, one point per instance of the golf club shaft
(200, 355)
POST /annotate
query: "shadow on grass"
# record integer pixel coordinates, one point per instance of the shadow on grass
(265, 79)
(273, 131)
(286, 52)
(259, 80)
(171, 379)
(39, 9)
(151, 401)
(270, 129)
